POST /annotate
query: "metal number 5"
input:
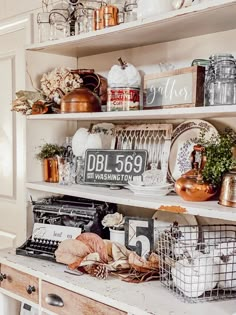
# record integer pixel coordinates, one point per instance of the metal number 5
(139, 235)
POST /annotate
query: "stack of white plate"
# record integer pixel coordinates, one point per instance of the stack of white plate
(138, 188)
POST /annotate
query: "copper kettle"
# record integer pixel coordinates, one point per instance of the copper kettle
(80, 100)
(191, 186)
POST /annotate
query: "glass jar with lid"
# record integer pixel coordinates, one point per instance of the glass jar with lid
(221, 80)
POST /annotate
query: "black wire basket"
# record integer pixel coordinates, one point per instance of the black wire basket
(198, 263)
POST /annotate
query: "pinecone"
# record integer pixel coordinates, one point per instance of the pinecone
(101, 271)
(97, 270)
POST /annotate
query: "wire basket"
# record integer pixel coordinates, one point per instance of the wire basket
(198, 263)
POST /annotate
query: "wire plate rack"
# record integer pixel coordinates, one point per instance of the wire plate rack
(198, 263)
(155, 138)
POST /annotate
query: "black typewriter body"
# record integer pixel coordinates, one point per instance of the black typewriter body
(66, 212)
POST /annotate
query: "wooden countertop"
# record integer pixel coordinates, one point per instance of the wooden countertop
(135, 299)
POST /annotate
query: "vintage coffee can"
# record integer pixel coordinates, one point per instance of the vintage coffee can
(123, 99)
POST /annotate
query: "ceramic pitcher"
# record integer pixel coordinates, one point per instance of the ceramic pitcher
(148, 8)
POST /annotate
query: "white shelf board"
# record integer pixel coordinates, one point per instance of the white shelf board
(170, 203)
(171, 113)
(204, 18)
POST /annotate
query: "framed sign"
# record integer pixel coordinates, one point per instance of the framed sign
(139, 235)
(178, 88)
(113, 167)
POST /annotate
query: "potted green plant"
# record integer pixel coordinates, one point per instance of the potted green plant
(218, 156)
(48, 155)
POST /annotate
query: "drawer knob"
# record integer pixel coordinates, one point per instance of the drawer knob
(54, 300)
(30, 289)
(2, 276)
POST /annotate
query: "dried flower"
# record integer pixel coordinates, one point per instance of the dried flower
(114, 220)
(25, 100)
(58, 82)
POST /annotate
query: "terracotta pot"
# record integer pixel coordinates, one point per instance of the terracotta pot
(50, 170)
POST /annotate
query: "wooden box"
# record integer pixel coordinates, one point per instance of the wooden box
(178, 88)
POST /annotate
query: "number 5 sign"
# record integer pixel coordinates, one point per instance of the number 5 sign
(139, 235)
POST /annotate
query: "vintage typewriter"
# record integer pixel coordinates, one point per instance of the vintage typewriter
(59, 218)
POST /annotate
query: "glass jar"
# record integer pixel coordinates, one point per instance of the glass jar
(224, 87)
(60, 25)
(90, 19)
(44, 29)
(220, 83)
(130, 11)
(81, 21)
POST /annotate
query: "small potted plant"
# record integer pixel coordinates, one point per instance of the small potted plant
(218, 155)
(48, 155)
(115, 222)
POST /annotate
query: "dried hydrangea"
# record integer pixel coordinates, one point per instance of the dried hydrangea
(58, 82)
(114, 220)
(25, 100)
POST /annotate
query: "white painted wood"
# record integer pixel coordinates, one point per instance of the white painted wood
(139, 299)
(7, 134)
(171, 203)
(12, 133)
(8, 305)
(154, 114)
(195, 20)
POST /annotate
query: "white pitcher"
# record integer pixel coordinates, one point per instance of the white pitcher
(148, 8)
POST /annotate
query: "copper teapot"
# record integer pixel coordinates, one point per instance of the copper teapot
(191, 186)
(80, 100)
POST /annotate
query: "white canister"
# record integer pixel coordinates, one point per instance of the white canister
(117, 236)
(148, 8)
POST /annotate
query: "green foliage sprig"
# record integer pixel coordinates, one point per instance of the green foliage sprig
(49, 150)
(219, 157)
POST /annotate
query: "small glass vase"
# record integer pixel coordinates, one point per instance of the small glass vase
(64, 169)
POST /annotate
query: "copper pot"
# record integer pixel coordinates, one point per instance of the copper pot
(80, 100)
(50, 170)
(228, 190)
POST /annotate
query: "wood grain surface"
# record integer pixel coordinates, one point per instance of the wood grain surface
(17, 282)
(74, 303)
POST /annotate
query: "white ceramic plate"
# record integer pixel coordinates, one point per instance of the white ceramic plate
(141, 186)
(183, 139)
(153, 193)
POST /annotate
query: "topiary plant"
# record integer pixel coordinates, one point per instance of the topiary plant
(219, 157)
(49, 150)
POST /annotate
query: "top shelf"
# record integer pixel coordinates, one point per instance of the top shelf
(205, 18)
